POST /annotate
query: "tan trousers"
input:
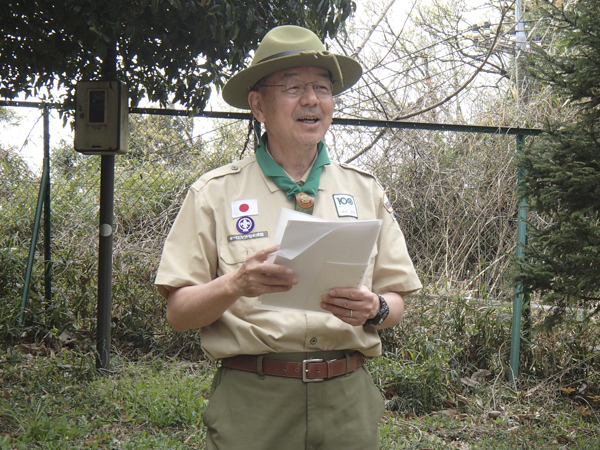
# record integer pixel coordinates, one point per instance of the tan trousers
(247, 411)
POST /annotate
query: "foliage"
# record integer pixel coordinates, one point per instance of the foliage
(166, 50)
(17, 207)
(562, 257)
(157, 136)
(9, 116)
(57, 401)
(150, 183)
(52, 398)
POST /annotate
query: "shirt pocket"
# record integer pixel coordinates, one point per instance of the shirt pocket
(233, 253)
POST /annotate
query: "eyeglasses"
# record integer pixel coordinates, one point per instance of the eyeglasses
(297, 88)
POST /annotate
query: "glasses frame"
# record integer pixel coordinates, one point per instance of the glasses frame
(300, 94)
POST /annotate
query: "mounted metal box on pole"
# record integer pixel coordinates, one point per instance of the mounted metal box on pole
(101, 128)
(101, 117)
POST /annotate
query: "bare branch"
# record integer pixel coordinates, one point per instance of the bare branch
(373, 28)
(444, 100)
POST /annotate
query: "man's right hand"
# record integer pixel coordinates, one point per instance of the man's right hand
(256, 276)
(197, 306)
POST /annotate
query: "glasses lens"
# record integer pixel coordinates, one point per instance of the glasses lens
(298, 87)
(295, 87)
(322, 88)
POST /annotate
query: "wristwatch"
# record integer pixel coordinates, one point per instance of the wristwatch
(380, 317)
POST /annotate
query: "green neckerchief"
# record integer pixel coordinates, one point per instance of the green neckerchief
(274, 171)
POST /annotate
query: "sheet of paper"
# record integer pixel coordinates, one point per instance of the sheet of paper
(323, 254)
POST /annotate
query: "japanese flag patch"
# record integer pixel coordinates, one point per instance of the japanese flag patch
(244, 208)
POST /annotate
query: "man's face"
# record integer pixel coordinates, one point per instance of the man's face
(292, 120)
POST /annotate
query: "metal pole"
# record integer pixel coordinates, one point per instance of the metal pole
(521, 50)
(34, 237)
(47, 213)
(520, 297)
(107, 185)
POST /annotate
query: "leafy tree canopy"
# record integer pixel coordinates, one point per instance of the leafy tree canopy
(165, 50)
(563, 166)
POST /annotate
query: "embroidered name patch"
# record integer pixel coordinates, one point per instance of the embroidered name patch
(244, 208)
(243, 237)
(345, 205)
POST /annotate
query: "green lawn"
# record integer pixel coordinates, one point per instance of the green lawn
(56, 401)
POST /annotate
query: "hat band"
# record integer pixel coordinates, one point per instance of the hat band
(280, 55)
(323, 53)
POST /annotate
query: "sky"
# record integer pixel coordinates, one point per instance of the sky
(28, 136)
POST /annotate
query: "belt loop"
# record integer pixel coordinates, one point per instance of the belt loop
(259, 366)
(348, 366)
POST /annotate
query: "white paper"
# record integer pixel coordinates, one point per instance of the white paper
(323, 254)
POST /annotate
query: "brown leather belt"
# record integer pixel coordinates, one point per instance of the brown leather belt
(309, 370)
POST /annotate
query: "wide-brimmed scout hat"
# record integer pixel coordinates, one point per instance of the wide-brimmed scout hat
(289, 46)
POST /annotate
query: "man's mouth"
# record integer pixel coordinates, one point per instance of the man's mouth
(308, 120)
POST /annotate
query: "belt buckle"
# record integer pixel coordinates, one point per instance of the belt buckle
(305, 370)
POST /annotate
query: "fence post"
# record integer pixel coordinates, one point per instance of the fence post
(520, 297)
(105, 251)
(47, 213)
(44, 183)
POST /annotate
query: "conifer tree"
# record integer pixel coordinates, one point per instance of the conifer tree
(562, 185)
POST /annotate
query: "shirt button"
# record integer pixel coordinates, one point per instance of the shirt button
(313, 341)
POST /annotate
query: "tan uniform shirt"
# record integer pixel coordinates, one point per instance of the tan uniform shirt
(207, 241)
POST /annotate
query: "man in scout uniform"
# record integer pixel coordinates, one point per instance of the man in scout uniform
(287, 380)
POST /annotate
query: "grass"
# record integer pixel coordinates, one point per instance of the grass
(55, 400)
(147, 404)
(51, 396)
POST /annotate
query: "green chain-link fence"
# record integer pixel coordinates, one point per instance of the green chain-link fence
(454, 195)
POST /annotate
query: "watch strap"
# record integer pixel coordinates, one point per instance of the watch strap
(381, 315)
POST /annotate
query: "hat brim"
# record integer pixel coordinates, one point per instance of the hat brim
(235, 91)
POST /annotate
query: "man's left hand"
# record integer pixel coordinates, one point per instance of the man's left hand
(351, 305)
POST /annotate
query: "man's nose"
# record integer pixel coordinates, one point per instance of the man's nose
(309, 96)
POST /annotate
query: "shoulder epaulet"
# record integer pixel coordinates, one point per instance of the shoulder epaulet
(360, 171)
(357, 169)
(228, 169)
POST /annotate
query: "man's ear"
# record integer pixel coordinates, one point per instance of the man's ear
(255, 100)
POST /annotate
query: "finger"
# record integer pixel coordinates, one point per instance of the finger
(269, 269)
(263, 254)
(278, 279)
(349, 293)
(344, 302)
(260, 289)
(348, 315)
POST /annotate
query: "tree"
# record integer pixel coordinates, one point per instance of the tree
(8, 117)
(166, 50)
(423, 59)
(562, 185)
